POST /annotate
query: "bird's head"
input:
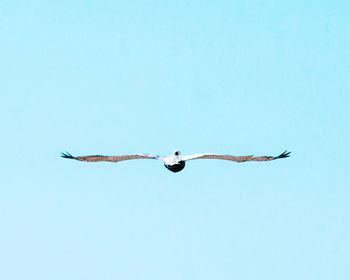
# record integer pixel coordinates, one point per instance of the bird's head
(176, 153)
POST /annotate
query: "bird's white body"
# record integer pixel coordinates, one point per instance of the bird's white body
(175, 158)
(174, 162)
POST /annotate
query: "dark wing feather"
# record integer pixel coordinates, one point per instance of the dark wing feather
(95, 158)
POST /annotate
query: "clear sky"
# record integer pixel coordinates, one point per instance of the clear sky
(118, 77)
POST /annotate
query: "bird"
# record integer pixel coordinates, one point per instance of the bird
(176, 161)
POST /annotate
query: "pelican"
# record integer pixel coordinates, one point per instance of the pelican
(176, 161)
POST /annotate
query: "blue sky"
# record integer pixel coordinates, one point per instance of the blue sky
(116, 77)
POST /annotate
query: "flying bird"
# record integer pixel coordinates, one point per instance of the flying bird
(176, 161)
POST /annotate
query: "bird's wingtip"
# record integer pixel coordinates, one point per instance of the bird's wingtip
(285, 154)
(67, 155)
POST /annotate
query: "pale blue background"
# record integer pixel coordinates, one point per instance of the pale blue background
(115, 77)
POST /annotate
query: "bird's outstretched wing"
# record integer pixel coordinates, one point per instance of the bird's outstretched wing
(95, 158)
(285, 154)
